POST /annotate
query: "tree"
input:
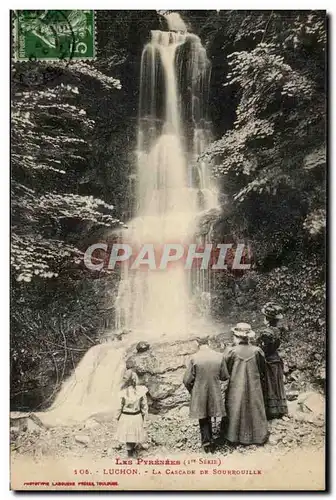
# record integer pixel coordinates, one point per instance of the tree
(54, 143)
(51, 146)
(270, 160)
(73, 135)
(275, 147)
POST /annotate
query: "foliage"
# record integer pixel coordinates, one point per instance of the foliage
(315, 222)
(52, 330)
(300, 288)
(271, 160)
(275, 147)
(51, 146)
(73, 127)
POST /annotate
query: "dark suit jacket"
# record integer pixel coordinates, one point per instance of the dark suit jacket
(202, 379)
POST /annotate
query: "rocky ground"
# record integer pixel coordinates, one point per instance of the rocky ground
(295, 442)
(167, 433)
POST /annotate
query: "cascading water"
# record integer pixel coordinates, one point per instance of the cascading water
(90, 390)
(172, 188)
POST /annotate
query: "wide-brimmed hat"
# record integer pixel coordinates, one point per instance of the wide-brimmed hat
(272, 310)
(243, 330)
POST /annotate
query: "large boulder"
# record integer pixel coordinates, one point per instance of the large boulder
(161, 370)
(311, 402)
(309, 407)
(180, 397)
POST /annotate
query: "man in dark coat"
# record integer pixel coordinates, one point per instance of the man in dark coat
(202, 379)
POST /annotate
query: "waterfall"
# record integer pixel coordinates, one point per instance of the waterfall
(172, 187)
(91, 389)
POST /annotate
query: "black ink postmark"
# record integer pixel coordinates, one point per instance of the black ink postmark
(53, 38)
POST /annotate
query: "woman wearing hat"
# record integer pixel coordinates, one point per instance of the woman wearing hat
(247, 423)
(269, 341)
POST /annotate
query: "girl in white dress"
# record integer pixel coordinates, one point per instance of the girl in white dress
(133, 410)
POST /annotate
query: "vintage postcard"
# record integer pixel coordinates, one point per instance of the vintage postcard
(168, 215)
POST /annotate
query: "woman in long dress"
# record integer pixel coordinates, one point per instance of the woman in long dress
(269, 341)
(247, 423)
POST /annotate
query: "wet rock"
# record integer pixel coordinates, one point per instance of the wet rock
(142, 346)
(82, 439)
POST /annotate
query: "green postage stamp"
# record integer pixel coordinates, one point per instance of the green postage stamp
(47, 35)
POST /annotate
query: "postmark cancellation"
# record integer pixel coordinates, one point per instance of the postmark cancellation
(50, 35)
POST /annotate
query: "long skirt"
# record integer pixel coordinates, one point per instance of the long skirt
(246, 422)
(275, 397)
(130, 429)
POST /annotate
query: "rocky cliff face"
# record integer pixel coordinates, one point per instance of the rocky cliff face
(162, 366)
(161, 369)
